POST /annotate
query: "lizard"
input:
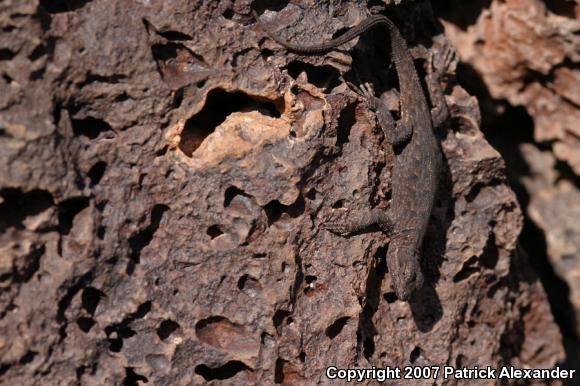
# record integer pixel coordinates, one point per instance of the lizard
(418, 159)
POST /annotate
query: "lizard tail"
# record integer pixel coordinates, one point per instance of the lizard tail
(314, 49)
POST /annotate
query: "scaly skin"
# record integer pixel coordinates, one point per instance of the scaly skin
(417, 166)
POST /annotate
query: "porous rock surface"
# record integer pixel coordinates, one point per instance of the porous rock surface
(166, 174)
(526, 53)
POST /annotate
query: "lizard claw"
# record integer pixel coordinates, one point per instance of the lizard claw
(443, 61)
(366, 93)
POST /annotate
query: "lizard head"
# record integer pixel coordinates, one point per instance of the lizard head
(406, 275)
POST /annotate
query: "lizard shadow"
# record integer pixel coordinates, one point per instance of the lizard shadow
(425, 304)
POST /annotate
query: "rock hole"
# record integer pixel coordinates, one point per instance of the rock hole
(228, 14)
(131, 265)
(115, 342)
(132, 378)
(490, 254)
(390, 297)
(59, 6)
(494, 288)
(118, 332)
(311, 194)
(90, 299)
(279, 317)
(122, 97)
(415, 354)
(41, 50)
(231, 193)
(28, 357)
(469, 268)
(166, 328)
(324, 77)
(302, 356)
(274, 209)
(67, 210)
(335, 328)
(95, 78)
(90, 127)
(101, 230)
(140, 240)
(214, 231)
(66, 300)
(338, 204)
(310, 279)
(279, 371)
(96, 172)
(242, 281)
(266, 53)
(16, 206)
(161, 152)
(218, 106)
(563, 8)
(85, 324)
(177, 98)
(247, 282)
(142, 310)
(79, 371)
(174, 35)
(346, 121)
(6, 54)
(38, 74)
(226, 371)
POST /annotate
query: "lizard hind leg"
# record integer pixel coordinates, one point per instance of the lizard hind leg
(354, 221)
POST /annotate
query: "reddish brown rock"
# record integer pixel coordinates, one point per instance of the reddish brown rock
(554, 208)
(526, 52)
(166, 175)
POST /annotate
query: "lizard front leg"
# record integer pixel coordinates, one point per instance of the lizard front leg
(395, 133)
(438, 65)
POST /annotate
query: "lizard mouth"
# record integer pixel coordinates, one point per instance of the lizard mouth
(408, 286)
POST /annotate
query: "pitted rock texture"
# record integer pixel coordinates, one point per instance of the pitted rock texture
(166, 176)
(521, 59)
(526, 52)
